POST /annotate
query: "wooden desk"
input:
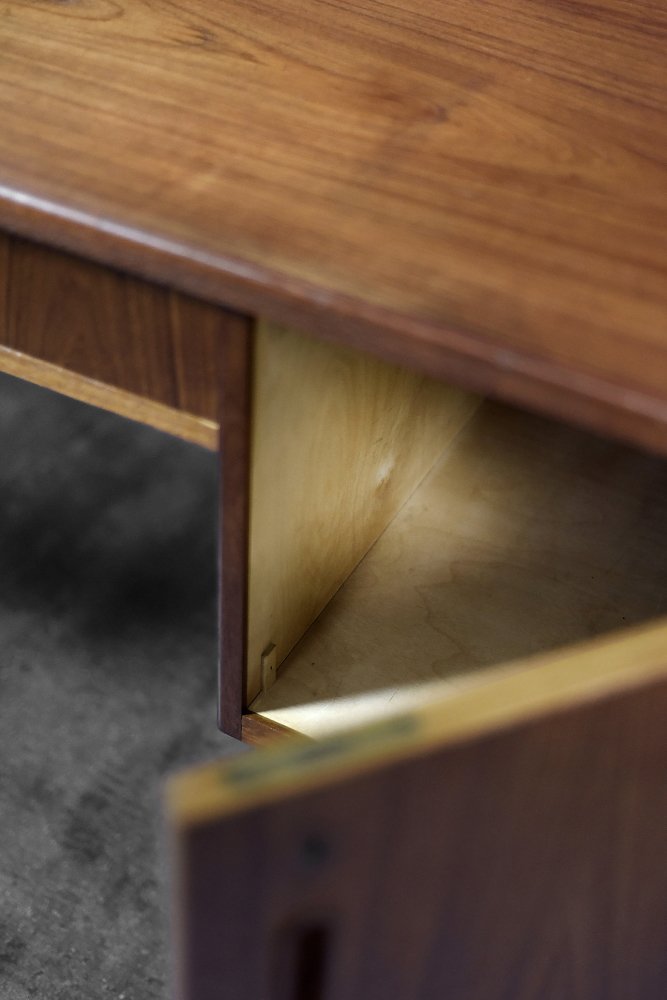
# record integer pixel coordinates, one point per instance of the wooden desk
(462, 193)
(480, 194)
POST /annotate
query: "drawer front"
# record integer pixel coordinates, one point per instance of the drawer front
(110, 339)
(508, 841)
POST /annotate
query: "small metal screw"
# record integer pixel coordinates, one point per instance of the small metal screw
(315, 851)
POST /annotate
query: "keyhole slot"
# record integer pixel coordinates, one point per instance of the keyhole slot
(302, 962)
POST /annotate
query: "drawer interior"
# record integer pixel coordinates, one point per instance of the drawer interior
(525, 535)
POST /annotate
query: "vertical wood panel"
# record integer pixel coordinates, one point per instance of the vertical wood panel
(235, 388)
(340, 441)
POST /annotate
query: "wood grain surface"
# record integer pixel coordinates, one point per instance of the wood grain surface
(340, 440)
(527, 536)
(508, 842)
(259, 732)
(93, 325)
(480, 191)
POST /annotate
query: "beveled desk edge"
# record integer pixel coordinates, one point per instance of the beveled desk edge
(462, 357)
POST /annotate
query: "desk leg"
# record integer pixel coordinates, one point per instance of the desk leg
(235, 392)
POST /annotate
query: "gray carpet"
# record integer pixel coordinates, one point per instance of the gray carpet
(107, 682)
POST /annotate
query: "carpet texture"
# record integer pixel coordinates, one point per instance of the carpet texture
(107, 683)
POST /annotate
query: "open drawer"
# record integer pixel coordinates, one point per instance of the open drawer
(405, 536)
(507, 840)
(455, 598)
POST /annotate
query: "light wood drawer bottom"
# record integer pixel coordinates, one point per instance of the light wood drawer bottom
(526, 536)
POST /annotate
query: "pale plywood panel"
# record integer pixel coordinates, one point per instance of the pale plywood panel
(527, 536)
(340, 441)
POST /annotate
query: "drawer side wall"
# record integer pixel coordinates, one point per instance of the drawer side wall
(340, 441)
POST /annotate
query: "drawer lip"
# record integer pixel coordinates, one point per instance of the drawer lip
(188, 426)
(500, 698)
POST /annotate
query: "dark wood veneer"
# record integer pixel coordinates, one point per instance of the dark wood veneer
(483, 197)
(528, 863)
(86, 326)
(261, 732)
(235, 389)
